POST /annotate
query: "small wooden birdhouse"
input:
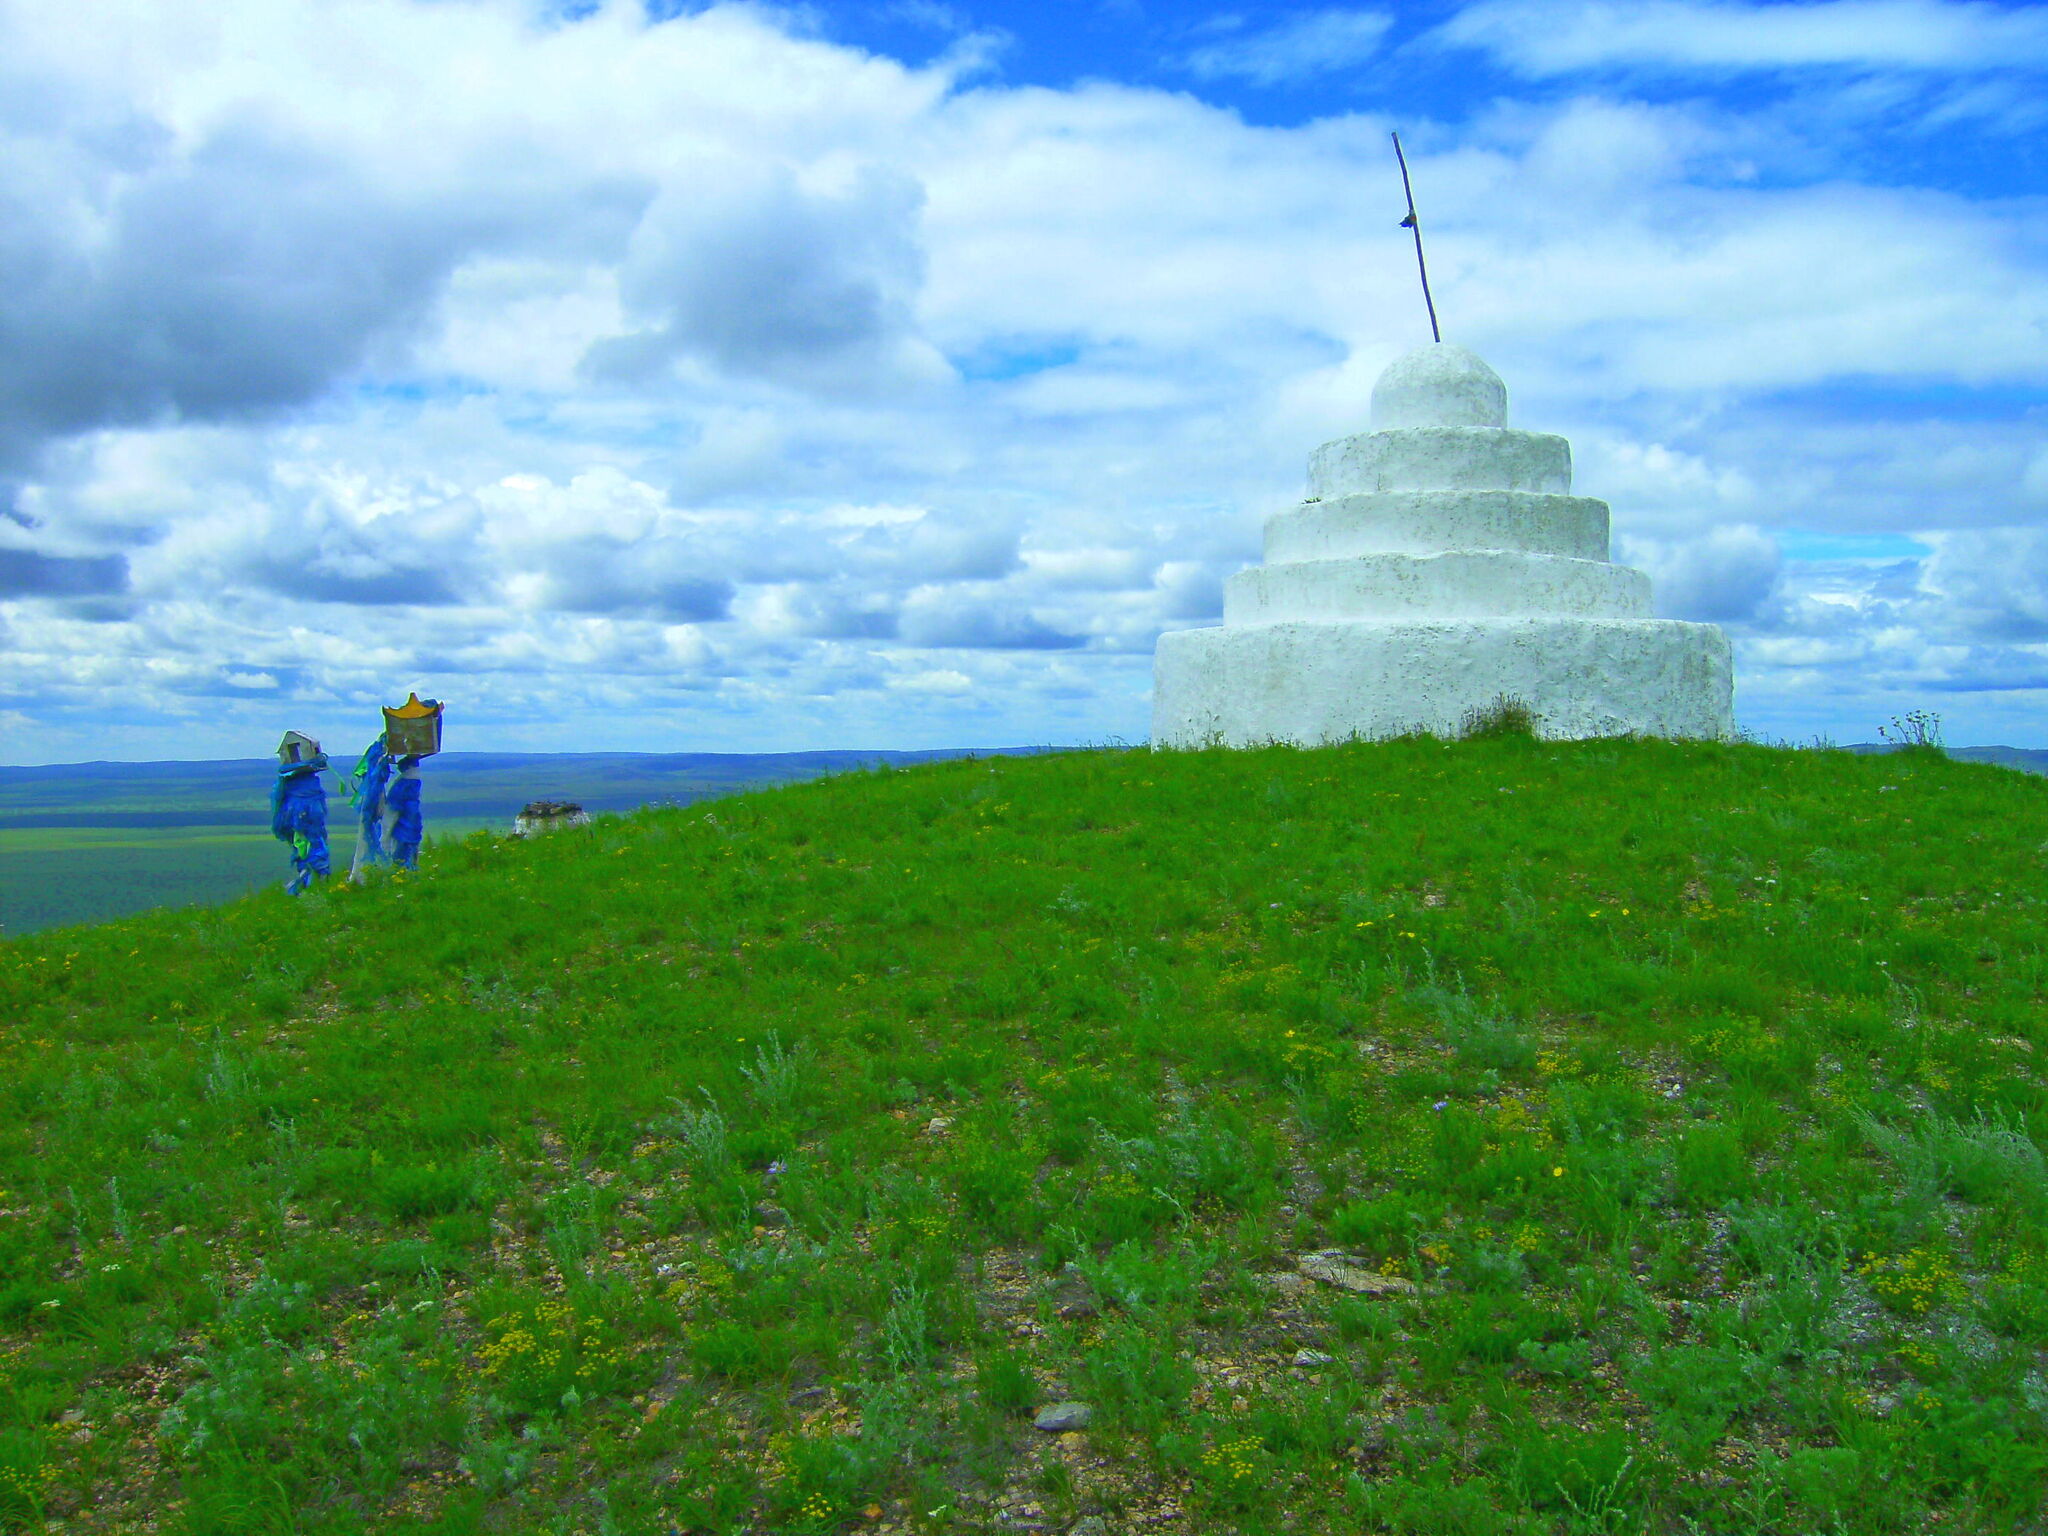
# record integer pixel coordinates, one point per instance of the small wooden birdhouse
(296, 750)
(413, 729)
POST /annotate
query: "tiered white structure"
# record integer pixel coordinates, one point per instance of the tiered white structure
(1438, 564)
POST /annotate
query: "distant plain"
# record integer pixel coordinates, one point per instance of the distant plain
(84, 842)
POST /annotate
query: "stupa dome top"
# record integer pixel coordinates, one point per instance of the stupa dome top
(1439, 386)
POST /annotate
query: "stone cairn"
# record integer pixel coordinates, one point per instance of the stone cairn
(1439, 566)
(547, 816)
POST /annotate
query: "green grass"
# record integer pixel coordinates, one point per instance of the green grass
(765, 1165)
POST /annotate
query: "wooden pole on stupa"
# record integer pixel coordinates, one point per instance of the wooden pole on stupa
(1411, 222)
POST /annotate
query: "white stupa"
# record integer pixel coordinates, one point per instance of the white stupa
(1439, 563)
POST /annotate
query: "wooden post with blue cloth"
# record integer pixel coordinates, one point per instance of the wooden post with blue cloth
(298, 808)
(385, 787)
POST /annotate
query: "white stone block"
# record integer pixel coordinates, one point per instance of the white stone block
(1426, 522)
(1439, 386)
(1457, 585)
(1442, 459)
(1319, 682)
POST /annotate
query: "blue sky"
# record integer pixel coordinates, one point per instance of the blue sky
(756, 377)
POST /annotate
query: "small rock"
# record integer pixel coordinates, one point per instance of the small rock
(1077, 1307)
(938, 1125)
(771, 1215)
(546, 815)
(1060, 1417)
(1344, 1271)
(1285, 1282)
(1094, 1525)
(1309, 1359)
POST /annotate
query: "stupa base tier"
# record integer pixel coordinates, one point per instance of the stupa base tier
(1314, 683)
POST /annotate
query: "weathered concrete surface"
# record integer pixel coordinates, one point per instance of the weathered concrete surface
(1315, 683)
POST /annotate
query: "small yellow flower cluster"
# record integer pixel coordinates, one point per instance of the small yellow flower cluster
(1746, 1046)
(1528, 1238)
(1511, 1122)
(1252, 981)
(928, 1224)
(539, 1346)
(698, 1281)
(596, 1357)
(512, 1347)
(816, 1507)
(1912, 1282)
(1297, 1053)
(1919, 1356)
(29, 1487)
(1235, 1463)
(1119, 1183)
(2027, 1272)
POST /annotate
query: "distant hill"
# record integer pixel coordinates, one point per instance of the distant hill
(2026, 759)
(487, 787)
(84, 842)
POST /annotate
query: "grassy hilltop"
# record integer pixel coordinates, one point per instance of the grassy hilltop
(1419, 1137)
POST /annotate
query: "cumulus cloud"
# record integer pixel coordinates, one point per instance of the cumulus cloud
(944, 618)
(741, 266)
(1189, 590)
(27, 572)
(1993, 582)
(702, 381)
(165, 299)
(1724, 577)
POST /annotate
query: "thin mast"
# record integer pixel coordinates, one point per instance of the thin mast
(1411, 222)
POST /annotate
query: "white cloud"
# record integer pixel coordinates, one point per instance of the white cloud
(943, 680)
(1541, 37)
(1304, 44)
(1725, 576)
(1993, 582)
